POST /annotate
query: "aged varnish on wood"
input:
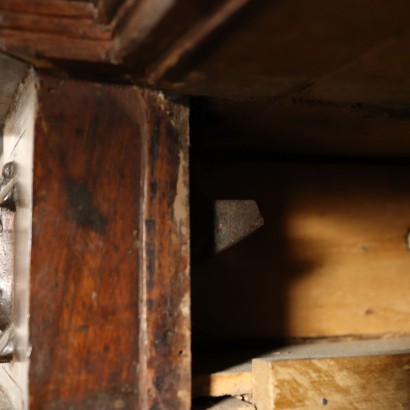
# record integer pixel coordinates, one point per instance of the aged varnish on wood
(296, 193)
(96, 291)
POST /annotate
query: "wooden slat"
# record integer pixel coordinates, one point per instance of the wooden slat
(247, 378)
(365, 382)
(234, 381)
(45, 45)
(68, 27)
(83, 9)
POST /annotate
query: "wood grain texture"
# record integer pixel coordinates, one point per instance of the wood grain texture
(331, 258)
(79, 28)
(211, 383)
(41, 45)
(110, 296)
(165, 379)
(84, 322)
(278, 48)
(372, 382)
(84, 9)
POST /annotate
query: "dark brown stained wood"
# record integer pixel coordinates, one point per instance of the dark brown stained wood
(84, 313)
(175, 28)
(79, 28)
(279, 47)
(51, 8)
(379, 78)
(269, 128)
(107, 9)
(165, 379)
(137, 32)
(41, 45)
(110, 294)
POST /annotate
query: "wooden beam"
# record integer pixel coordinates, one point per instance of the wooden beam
(252, 383)
(365, 382)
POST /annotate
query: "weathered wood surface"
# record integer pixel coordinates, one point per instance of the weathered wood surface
(165, 338)
(136, 32)
(110, 315)
(278, 48)
(84, 284)
(190, 48)
(330, 260)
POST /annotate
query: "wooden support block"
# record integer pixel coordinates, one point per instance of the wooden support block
(241, 379)
(356, 382)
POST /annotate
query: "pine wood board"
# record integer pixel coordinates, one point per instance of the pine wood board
(360, 353)
(331, 259)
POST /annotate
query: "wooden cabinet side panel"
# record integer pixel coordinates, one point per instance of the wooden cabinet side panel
(84, 322)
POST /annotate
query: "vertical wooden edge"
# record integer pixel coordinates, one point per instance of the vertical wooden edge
(165, 330)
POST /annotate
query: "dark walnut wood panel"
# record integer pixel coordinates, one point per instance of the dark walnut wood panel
(84, 325)
(277, 48)
(109, 315)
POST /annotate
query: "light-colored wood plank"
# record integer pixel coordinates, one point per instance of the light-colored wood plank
(331, 259)
(361, 382)
(237, 380)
